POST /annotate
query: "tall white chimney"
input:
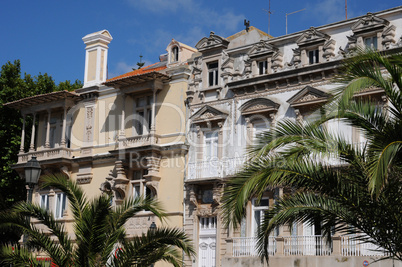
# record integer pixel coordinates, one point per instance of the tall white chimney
(96, 57)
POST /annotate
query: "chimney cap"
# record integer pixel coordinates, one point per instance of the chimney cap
(103, 36)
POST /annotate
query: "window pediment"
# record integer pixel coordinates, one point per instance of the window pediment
(258, 106)
(369, 23)
(308, 96)
(212, 42)
(312, 37)
(261, 49)
(208, 114)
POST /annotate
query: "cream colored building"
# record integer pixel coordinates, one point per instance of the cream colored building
(124, 135)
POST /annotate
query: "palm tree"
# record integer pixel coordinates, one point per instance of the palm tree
(98, 229)
(362, 192)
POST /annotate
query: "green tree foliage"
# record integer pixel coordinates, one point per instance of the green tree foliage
(14, 87)
(98, 229)
(348, 188)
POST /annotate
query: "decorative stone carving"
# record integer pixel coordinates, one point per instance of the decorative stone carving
(258, 106)
(369, 23)
(262, 48)
(207, 211)
(208, 114)
(120, 182)
(299, 117)
(193, 196)
(212, 42)
(312, 36)
(217, 193)
(153, 164)
(307, 97)
(84, 179)
(388, 35)
(329, 48)
(247, 68)
(64, 170)
(296, 57)
(89, 118)
(190, 96)
(277, 61)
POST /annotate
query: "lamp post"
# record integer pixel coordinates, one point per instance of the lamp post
(32, 173)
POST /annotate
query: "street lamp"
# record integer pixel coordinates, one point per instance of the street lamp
(152, 227)
(32, 173)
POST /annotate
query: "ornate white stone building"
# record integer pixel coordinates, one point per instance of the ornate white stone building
(244, 84)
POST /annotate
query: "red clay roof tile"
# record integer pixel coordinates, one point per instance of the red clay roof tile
(138, 72)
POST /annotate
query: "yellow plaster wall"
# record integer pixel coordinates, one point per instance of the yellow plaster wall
(170, 115)
(171, 184)
(91, 71)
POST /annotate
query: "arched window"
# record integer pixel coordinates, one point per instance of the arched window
(175, 54)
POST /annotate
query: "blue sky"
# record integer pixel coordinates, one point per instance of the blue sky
(46, 35)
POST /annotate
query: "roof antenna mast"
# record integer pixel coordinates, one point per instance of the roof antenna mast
(287, 14)
(346, 8)
(269, 12)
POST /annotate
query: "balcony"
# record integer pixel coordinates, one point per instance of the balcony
(46, 154)
(215, 168)
(138, 141)
(353, 247)
(246, 246)
(306, 245)
(303, 246)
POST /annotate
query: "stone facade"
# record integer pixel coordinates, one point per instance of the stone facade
(244, 84)
(185, 123)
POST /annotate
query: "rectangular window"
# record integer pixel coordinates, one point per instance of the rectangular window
(139, 184)
(44, 202)
(313, 56)
(259, 209)
(136, 191)
(143, 118)
(211, 146)
(213, 74)
(263, 67)
(61, 200)
(371, 42)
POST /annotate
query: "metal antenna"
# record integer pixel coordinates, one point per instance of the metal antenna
(287, 14)
(269, 12)
(346, 8)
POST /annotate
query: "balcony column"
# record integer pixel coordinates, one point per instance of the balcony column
(63, 130)
(122, 133)
(153, 129)
(153, 111)
(32, 146)
(47, 143)
(337, 246)
(22, 135)
(123, 117)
